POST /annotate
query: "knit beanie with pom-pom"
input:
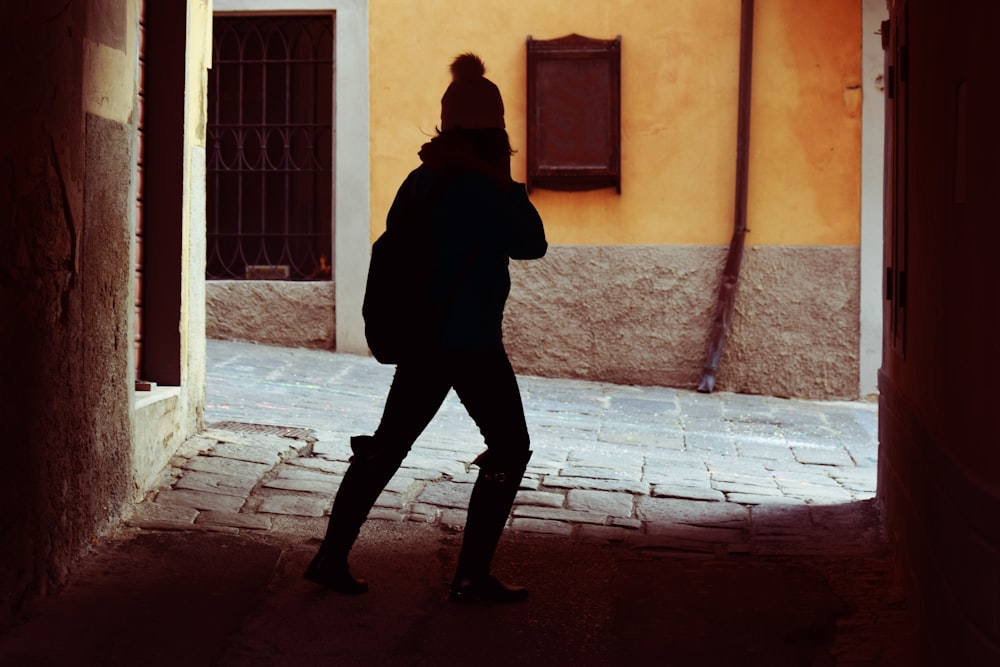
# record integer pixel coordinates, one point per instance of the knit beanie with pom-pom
(472, 101)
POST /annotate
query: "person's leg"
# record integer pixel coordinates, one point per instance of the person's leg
(416, 393)
(488, 388)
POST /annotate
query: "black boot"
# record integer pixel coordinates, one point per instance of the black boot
(490, 504)
(330, 571)
(371, 469)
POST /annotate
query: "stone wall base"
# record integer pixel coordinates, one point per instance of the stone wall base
(285, 313)
(642, 315)
(629, 315)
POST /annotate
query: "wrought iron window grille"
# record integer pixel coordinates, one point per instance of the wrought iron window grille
(270, 148)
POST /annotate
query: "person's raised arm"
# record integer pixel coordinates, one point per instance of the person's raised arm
(527, 234)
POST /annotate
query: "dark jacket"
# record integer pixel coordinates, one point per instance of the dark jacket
(468, 221)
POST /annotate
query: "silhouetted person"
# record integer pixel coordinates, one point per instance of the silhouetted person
(462, 209)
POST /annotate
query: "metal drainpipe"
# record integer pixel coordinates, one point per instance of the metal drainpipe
(731, 272)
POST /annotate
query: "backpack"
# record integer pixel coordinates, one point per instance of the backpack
(399, 318)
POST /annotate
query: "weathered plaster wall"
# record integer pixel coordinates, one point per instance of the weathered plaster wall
(680, 70)
(641, 314)
(293, 314)
(70, 426)
(64, 283)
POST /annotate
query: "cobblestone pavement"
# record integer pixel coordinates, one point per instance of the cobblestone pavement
(654, 526)
(646, 465)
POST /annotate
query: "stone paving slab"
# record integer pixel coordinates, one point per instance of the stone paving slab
(813, 455)
(530, 481)
(668, 490)
(385, 514)
(819, 494)
(152, 512)
(790, 486)
(729, 488)
(184, 526)
(667, 457)
(297, 505)
(447, 494)
(697, 476)
(560, 514)
(419, 473)
(453, 519)
(260, 440)
(334, 449)
(771, 451)
(625, 486)
(613, 458)
(818, 476)
(422, 512)
(246, 452)
(855, 480)
(649, 437)
(232, 485)
(600, 502)
(734, 465)
(321, 464)
(615, 474)
(540, 498)
(750, 499)
(226, 466)
(235, 520)
(200, 500)
(402, 484)
(547, 459)
(394, 501)
(319, 487)
(864, 455)
(532, 525)
(442, 465)
(306, 473)
(464, 478)
(693, 512)
(763, 481)
(711, 443)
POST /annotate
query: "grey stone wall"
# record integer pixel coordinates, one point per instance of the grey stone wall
(630, 315)
(641, 315)
(292, 314)
(796, 329)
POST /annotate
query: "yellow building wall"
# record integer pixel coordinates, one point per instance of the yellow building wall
(680, 69)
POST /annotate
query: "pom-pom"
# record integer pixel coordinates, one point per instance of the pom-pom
(467, 66)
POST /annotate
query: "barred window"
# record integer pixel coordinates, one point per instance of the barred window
(270, 148)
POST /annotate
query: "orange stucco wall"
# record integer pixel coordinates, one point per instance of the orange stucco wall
(679, 95)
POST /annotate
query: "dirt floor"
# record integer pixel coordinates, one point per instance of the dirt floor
(205, 598)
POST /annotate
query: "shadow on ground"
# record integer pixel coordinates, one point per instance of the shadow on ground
(206, 598)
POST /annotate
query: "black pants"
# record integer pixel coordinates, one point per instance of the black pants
(485, 383)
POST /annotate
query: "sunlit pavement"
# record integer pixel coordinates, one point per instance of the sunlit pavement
(645, 464)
